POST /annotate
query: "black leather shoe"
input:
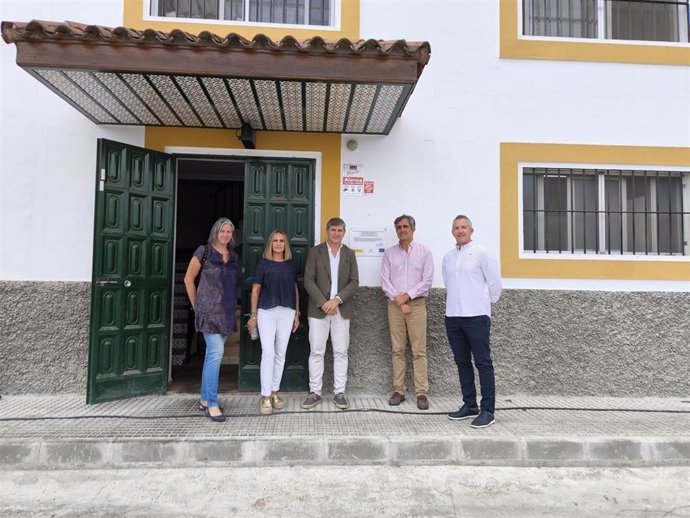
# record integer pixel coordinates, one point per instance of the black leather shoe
(217, 418)
(202, 408)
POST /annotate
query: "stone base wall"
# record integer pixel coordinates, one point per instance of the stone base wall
(570, 343)
(44, 336)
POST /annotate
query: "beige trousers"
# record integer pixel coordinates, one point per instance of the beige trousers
(413, 326)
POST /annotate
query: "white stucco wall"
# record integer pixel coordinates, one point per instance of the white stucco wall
(48, 158)
(442, 157)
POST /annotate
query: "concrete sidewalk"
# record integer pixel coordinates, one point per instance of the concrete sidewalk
(46, 431)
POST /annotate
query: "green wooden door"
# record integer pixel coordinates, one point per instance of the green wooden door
(278, 194)
(132, 273)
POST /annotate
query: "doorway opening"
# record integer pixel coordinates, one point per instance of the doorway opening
(207, 188)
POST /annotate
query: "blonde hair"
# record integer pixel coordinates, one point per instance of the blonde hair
(268, 249)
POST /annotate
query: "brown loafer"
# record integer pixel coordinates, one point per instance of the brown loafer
(396, 399)
(422, 403)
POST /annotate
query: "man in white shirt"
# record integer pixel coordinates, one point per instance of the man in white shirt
(473, 282)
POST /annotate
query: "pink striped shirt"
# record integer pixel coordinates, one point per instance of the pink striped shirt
(410, 272)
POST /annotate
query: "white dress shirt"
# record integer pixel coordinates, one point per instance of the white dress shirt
(472, 279)
(335, 265)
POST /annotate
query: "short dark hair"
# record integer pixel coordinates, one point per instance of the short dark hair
(462, 216)
(409, 218)
(335, 222)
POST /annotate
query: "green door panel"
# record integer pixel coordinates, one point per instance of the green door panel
(279, 194)
(132, 273)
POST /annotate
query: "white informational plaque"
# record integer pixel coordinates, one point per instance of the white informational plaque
(367, 241)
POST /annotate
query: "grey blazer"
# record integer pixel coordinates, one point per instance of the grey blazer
(317, 280)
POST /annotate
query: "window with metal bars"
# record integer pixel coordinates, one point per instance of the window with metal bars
(641, 20)
(605, 211)
(293, 12)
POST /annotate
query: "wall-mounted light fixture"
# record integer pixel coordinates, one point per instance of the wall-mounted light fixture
(248, 136)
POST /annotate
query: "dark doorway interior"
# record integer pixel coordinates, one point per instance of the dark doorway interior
(207, 189)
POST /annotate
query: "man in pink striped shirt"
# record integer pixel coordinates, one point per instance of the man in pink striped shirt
(406, 275)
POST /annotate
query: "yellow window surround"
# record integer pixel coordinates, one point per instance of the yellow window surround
(514, 45)
(134, 17)
(328, 144)
(596, 267)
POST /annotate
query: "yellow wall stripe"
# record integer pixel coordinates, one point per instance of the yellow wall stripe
(328, 144)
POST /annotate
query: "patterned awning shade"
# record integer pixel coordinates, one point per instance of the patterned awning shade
(129, 77)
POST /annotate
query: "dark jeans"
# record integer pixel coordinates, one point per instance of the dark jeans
(469, 338)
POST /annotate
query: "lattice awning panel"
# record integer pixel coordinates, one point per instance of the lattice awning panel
(129, 77)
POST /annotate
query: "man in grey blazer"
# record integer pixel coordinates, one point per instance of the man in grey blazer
(331, 278)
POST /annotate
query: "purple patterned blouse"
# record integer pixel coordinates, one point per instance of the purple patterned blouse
(216, 296)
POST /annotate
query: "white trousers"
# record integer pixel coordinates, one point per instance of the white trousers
(275, 327)
(339, 329)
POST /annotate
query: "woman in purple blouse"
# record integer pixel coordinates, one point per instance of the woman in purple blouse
(214, 304)
(274, 303)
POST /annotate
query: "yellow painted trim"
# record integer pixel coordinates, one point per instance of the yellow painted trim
(133, 17)
(511, 46)
(513, 266)
(328, 144)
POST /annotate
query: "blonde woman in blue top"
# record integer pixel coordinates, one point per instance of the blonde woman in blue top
(274, 303)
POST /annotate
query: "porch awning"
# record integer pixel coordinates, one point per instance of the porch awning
(130, 77)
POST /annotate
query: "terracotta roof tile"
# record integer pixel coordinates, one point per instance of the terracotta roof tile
(39, 30)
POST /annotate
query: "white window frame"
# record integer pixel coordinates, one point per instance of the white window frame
(604, 256)
(335, 15)
(603, 29)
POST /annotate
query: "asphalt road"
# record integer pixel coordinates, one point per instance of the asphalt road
(335, 492)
